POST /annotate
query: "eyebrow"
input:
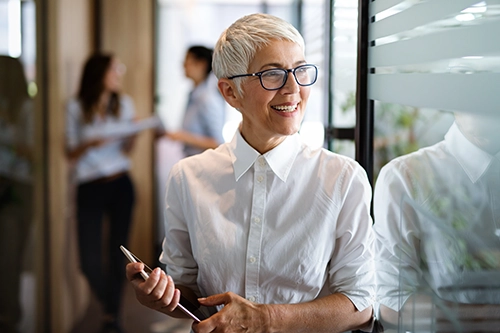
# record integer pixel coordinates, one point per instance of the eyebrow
(277, 65)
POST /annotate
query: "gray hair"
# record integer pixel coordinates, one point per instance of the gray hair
(238, 44)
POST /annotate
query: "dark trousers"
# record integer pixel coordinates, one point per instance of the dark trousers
(15, 223)
(102, 261)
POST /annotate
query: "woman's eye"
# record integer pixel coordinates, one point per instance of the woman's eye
(271, 74)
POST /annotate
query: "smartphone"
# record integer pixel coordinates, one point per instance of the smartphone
(145, 274)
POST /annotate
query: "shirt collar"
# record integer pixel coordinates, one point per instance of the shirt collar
(473, 160)
(280, 159)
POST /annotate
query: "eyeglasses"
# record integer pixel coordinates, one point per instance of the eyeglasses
(274, 79)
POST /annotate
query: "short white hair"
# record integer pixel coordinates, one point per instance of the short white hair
(238, 44)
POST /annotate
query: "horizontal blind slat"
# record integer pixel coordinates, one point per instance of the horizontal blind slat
(418, 15)
(379, 6)
(477, 40)
(476, 93)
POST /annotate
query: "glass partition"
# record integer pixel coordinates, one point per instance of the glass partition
(18, 167)
(433, 77)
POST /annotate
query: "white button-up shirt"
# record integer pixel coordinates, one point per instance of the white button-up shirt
(273, 228)
(437, 219)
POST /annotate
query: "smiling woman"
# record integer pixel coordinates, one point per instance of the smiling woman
(232, 206)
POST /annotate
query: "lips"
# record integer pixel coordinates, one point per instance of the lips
(285, 108)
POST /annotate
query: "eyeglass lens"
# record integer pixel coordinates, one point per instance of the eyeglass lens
(276, 78)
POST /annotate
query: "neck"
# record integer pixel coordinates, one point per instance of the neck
(105, 97)
(262, 145)
(197, 81)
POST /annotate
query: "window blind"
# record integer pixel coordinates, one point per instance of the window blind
(438, 54)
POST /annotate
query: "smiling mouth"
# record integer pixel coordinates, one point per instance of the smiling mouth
(285, 108)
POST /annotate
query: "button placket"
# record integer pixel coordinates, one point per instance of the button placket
(255, 231)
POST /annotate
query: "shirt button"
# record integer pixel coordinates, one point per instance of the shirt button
(256, 220)
(251, 298)
(252, 259)
(260, 178)
(262, 161)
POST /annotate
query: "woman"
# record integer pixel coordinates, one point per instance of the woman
(205, 112)
(261, 224)
(102, 173)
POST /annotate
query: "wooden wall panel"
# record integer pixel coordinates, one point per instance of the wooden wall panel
(69, 27)
(127, 31)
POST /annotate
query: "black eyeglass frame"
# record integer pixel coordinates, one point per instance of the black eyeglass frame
(291, 70)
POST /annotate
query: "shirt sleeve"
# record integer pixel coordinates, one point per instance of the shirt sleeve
(396, 237)
(177, 253)
(351, 267)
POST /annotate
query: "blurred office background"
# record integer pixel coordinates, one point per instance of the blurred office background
(366, 105)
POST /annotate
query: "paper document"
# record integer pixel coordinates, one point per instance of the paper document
(119, 131)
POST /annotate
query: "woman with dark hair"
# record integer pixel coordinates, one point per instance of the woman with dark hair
(102, 174)
(205, 112)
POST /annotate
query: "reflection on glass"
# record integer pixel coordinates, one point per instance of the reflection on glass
(437, 222)
(16, 187)
(401, 129)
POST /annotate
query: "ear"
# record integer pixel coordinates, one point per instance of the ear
(228, 90)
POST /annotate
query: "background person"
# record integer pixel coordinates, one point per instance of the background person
(102, 172)
(204, 117)
(261, 224)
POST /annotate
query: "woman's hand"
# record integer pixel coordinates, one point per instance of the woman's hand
(158, 292)
(237, 315)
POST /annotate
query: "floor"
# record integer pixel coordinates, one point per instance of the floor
(136, 318)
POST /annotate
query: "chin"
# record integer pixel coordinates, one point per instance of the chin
(290, 131)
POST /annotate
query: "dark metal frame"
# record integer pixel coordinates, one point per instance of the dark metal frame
(44, 315)
(364, 107)
(330, 131)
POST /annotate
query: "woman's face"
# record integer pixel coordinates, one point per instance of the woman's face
(270, 116)
(113, 76)
(194, 69)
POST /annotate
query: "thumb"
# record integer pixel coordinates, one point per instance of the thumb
(214, 300)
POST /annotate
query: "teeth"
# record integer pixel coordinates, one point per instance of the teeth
(283, 108)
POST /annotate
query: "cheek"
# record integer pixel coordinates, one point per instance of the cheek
(258, 98)
(108, 79)
(304, 94)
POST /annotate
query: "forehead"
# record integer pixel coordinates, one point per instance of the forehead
(278, 53)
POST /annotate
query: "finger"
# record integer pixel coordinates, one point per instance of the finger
(151, 283)
(159, 289)
(175, 300)
(214, 300)
(207, 325)
(132, 271)
(169, 296)
(162, 295)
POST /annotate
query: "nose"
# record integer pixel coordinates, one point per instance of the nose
(291, 86)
